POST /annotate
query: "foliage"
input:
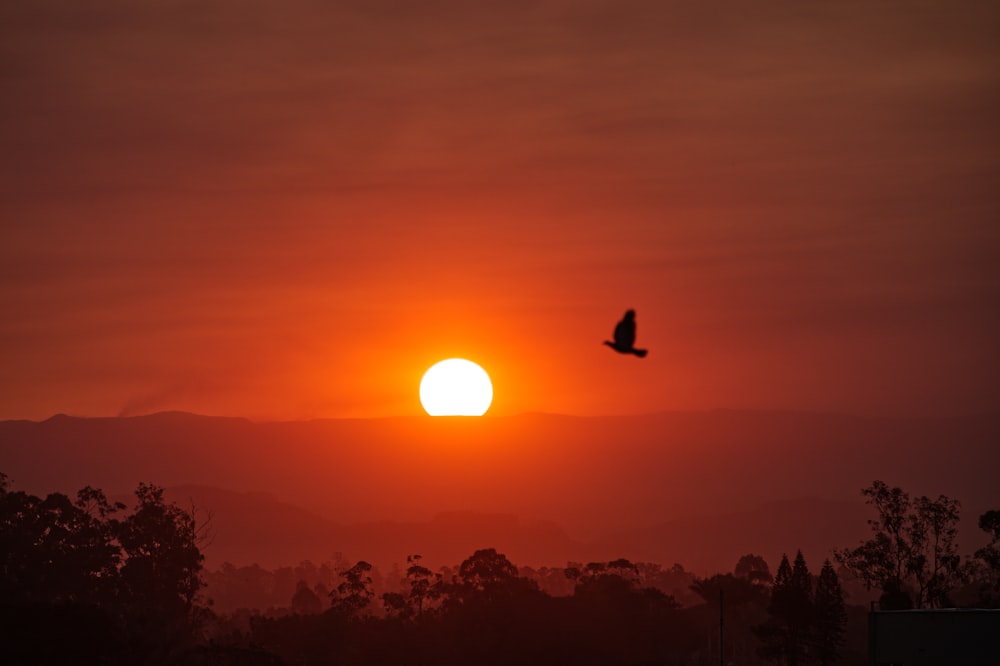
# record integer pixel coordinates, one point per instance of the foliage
(485, 570)
(487, 576)
(754, 569)
(804, 625)
(988, 559)
(612, 617)
(423, 587)
(912, 556)
(352, 596)
(787, 633)
(86, 581)
(305, 601)
(54, 550)
(743, 606)
(735, 590)
(830, 616)
(160, 555)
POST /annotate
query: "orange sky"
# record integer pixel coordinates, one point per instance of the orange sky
(290, 210)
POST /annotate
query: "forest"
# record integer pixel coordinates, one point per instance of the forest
(87, 580)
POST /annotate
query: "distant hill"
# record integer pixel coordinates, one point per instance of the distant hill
(249, 528)
(715, 542)
(666, 487)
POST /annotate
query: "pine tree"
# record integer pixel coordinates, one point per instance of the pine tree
(787, 632)
(801, 612)
(831, 617)
(773, 632)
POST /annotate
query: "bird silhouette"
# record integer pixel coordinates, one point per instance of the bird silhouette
(625, 337)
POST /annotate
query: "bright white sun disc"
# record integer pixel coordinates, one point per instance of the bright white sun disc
(456, 387)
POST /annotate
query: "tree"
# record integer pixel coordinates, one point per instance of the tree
(753, 568)
(624, 569)
(988, 558)
(424, 585)
(421, 588)
(487, 573)
(912, 556)
(936, 563)
(54, 550)
(160, 575)
(161, 559)
(735, 590)
(78, 577)
(788, 630)
(743, 607)
(830, 616)
(800, 610)
(352, 596)
(621, 570)
(305, 601)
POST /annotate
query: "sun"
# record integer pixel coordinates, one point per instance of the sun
(456, 387)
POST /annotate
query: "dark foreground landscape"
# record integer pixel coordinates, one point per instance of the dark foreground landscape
(216, 569)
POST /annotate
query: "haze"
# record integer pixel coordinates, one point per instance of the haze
(291, 210)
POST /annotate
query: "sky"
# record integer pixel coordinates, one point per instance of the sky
(291, 210)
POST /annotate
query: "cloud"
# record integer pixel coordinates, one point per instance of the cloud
(782, 172)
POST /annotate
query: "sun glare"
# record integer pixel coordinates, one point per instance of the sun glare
(456, 387)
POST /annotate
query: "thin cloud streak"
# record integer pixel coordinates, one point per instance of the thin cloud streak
(777, 189)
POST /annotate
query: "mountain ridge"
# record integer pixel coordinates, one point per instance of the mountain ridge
(258, 528)
(182, 415)
(595, 478)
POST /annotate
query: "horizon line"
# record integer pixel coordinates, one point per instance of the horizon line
(537, 414)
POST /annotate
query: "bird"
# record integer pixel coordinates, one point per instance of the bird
(625, 337)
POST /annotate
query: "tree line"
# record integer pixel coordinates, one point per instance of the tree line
(306, 586)
(87, 580)
(912, 557)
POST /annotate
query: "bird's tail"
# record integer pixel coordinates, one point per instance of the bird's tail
(641, 353)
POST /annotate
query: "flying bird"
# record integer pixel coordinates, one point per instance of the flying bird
(625, 337)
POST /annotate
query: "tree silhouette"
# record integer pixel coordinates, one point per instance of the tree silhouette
(485, 569)
(936, 562)
(487, 576)
(912, 556)
(161, 558)
(743, 604)
(786, 635)
(754, 569)
(78, 579)
(736, 590)
(305, 601)
(831, 616)
(160, 574)
(53, 550)
(617, 570)
(989, 558)
(422, 587)
(352, 596)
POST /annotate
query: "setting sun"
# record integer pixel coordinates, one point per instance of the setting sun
(456, 387)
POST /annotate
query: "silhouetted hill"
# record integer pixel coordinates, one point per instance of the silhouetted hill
(255, 527)
(249, 528)
(640, 478)
(813, 525)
